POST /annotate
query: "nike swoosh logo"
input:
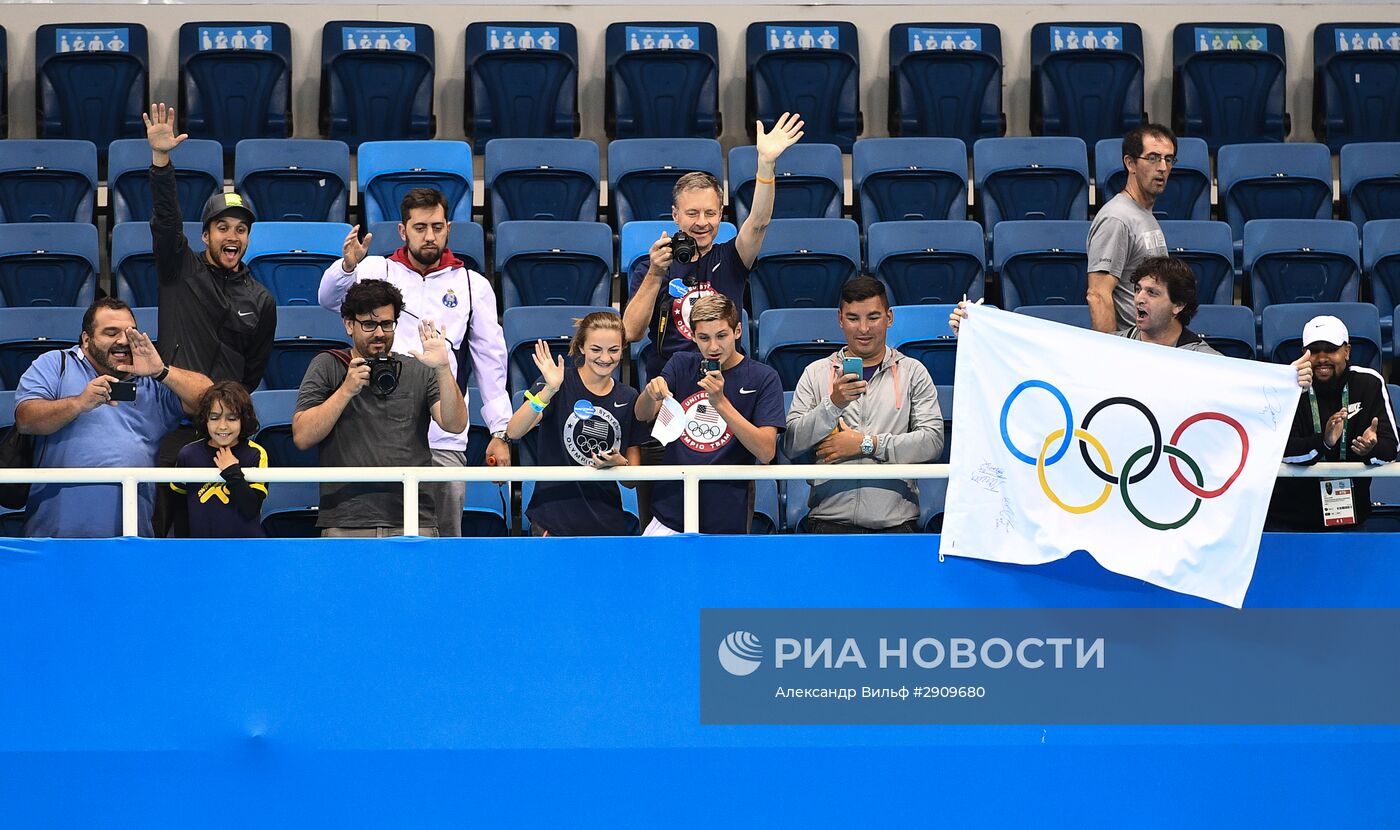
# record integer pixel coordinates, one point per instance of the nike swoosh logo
(245, 314)
(716, 268)
(618, 405)
(743, 391)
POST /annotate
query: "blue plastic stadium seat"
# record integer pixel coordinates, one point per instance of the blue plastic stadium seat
(467, 241)
(548, 263)
(1086, 79)
(810, 67)
(275, 408)
(377, 81)
(1301, 261)
(928, 263)
(642, 172)
(1229, 83)
(1380, 248)
(48, 263)
(199, 173)
(303, 331)
(945, 80)
(789, 339)
(294, 179)
(387, 170)
(1370, 179)
(235, 81)
(1210, 251)
(1274, 181)
(804, 263)
(4, 85)
(290, 257)
(662, 80)
(1069, 315)
(1283, 330)
(543, 179)
(922, 332)
(1187, 195)
(52, 180)
(29, 332)
(901, 179)
(1356, 82)
(522, 81)
(1041, 263)
(134, 277)
(809, 182)
(1229, 329)
(523, 325)
(1031, 178)
(96, 93)
(636, 239)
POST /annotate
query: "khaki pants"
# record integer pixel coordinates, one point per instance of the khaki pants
(371, 532)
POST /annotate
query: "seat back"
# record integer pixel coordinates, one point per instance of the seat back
(48, 264)
(804, 263)
(1069, 315)
(377, 81)
(97, 92)
(789, 339)
(275, 408)
(134, 277)
(290, 257)
(1302, 261)
(1041, 263)
(1187, 194)
(643, 171)
(902, 179)
(1031, 178)
(1356, 82)
(522, 80)
(468, 242)
(303, 331)
(922, 332)
(29, 332)
(542, 179)
(235, 81)
(809, 182)
(523, 325)
(1210, 251)
(1229, 329)
(1380, 246)
(1086, 79)
(662, 80)
(387, 170)
(294, 179)
(806, 66)
(945, 80)
(1283, 330)
(1370, 180)
(199, 174)
(928, 263)
(1229, 82)
(48, 180)
(554, 263)
(4, 85)
(1274, 181)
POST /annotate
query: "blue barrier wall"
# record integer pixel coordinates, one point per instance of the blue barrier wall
(526, 682)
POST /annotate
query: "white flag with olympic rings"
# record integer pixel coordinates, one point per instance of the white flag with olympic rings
(1159, 462)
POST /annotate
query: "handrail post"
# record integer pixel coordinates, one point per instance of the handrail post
(131, 522)
(410, 505)
(690, 500)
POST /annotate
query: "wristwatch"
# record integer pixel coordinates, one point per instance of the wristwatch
(867, 445)
(500, 435)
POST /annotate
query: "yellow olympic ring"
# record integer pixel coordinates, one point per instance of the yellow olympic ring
(1045, 485)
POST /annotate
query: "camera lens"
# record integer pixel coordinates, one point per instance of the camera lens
(683, 247)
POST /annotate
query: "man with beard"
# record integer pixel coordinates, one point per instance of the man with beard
(69, 399)
(435, 283)
(1345, 416)
(370, 408)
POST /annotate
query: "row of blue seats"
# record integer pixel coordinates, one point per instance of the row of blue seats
(662, 79)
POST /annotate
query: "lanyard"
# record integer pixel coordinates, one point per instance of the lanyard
(1317, 419)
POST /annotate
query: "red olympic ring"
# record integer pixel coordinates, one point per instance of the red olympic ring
(1244, 453)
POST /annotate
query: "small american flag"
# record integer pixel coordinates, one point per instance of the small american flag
(664, 416)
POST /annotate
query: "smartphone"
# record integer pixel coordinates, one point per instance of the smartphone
(707, 366)
(853, 366)
(123, 390)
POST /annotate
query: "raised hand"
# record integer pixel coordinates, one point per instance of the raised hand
(1332, 430)
(1362, 444)
(435, 354)
(160, 130)
(1303, 366)
(354, 250)
(785, 133)
(550, 370)
(145, 360)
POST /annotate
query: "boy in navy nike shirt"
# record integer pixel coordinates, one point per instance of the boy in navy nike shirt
(732, 416)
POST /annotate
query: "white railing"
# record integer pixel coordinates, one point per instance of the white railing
(411, 477)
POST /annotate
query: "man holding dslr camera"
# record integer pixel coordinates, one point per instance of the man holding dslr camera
(369, 407)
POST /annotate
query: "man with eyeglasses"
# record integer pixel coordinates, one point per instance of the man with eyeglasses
(368, 408)
(1125, 232)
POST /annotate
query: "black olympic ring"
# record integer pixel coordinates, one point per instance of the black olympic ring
(1156, 439)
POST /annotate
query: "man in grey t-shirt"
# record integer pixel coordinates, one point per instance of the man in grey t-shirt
(1125, 232)
(361, 418)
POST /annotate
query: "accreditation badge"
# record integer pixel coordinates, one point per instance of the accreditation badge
(1338, 507)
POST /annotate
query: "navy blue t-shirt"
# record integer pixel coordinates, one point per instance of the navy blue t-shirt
(576, 424)
(721, 271)
(212, 513)
(756, 392)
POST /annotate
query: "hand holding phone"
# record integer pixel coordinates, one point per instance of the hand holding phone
(123, 390)
(853, 366)
(707, 366)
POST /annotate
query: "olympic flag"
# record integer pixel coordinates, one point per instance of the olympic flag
(1157, 461)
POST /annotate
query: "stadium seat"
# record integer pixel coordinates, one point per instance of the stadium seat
(1301, 261)
(48, 264)
(767, 517)
(1210, 251)
(1031, 178)
(904, 179)
(303, 331)
(290, 257)
(922, 332)
(554, 263)
(4, 85)
(522, 81)
(1086, 79)
(290, 509)
(294, 179)
(387, 170)
(1041, 263)
(945, 405)
(810, 67)
(803, 264)
(662, 80)
(1069, 315)
(1273, 181)
(928, 263)
(1229, 83)
(789, 339)
(134, 277)
(631, 525)
(1283, 330)
(29, 332)
(1380, 249)
(938, 89)
(810, 182)
(94, 93)
(467, 241)
(275, 408)
(235, 81)
(1229, 329)
(377, 81)
(51, 180)
(1187, 195)
(637, 237)
(542, 178)
(1356, 82)
(199, 174)
(1385, 490)
(523, 325)
(1370, 179)
(642, 172)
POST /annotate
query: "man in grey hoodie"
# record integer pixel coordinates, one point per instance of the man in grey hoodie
(887, 413)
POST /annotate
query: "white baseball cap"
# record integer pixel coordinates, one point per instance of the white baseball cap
(1325, 329)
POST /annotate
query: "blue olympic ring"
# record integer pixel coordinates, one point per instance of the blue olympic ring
(1069, 421)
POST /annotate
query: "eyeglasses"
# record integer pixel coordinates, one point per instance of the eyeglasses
(371, 325)
(1158, 158)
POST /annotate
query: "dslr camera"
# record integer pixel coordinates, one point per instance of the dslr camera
(683, 247)
(384, 374)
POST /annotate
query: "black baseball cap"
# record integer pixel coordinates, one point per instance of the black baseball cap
(221, 204)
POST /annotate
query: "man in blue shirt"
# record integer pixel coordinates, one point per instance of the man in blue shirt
(67, 398)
